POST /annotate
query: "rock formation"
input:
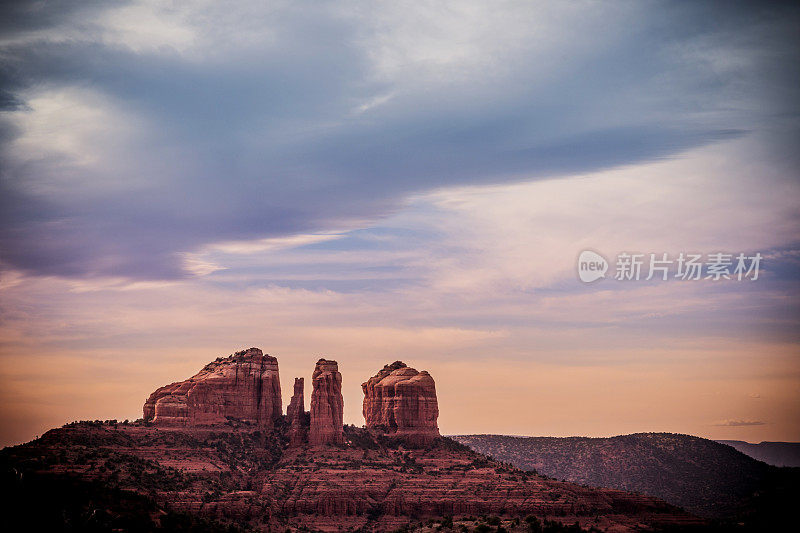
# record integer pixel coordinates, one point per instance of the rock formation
(244, 387)
(403, 402)
(327, 404)
(240, 474)
(297, 403)
(296, 415)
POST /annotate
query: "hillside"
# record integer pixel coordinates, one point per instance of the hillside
(772, 453)
(705, 477)
(135, 477)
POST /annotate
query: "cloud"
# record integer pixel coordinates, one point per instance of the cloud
(123, 153)
(19, 16)
(739, 423)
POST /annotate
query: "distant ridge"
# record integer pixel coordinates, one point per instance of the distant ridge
(772, 453)
(705, 477)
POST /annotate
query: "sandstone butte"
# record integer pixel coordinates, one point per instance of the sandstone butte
(402, 401)
(244, 386)
(217, 447)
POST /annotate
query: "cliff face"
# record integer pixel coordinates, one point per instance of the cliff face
(327, 404)
(244, 386)
(402, 401)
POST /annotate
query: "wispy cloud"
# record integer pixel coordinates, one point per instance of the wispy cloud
(739, 423)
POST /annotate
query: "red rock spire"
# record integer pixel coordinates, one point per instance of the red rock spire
(296, 415)
(327, 404)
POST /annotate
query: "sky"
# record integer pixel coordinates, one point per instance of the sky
(381, 181)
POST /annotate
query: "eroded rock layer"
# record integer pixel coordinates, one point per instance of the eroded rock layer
(327, 404)
(402, 401)
(244, 387)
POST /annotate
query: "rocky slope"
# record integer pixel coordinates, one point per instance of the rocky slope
(244, 386)
(402, 401)
(703, 476)
(254, 480)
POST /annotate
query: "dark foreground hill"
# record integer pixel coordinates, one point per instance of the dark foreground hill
(138, 477)
(705, 477)
(772, 453)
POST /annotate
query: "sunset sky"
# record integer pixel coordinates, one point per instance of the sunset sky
(373, 181)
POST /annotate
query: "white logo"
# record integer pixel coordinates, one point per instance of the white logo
(591, 266)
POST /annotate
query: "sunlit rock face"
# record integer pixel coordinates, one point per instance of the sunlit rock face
(327, 404)
(402, 401)
(244, 387)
